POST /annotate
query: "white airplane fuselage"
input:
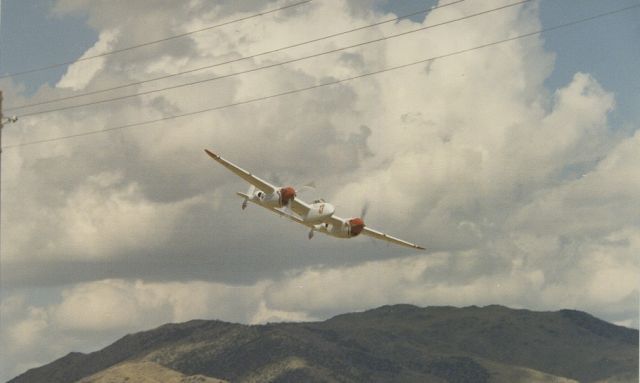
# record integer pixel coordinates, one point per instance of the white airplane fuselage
(318, 211)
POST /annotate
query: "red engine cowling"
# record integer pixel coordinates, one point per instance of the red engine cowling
(287, 194)
(356, 225)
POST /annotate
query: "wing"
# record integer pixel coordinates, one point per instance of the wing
(245, 175)
(386, 237)
(277, 211)
(335, 221)
(289, 216)
(299, 207)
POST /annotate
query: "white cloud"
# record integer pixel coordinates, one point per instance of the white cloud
(412, 280)
(600, 202)
(23, 334)
(101, 218)
(100, 306)
(264, 314)
(81, 73)
(26, 333)
(115, 305)
(525, 196)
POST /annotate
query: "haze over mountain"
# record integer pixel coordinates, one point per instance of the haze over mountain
(402, 343)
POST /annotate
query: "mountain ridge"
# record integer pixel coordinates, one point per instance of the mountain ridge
(403, 343)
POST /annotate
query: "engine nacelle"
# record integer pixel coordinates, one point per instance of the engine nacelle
(278, 198)
(319, 211)
(355, 226)
(286, 194)
(348, 229)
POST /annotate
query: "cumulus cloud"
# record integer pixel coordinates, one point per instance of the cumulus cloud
(79, 74)
(99, 219)
(524, 196)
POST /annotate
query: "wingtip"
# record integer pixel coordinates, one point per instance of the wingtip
(211, 154)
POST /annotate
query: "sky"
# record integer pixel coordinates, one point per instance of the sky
(514, 165)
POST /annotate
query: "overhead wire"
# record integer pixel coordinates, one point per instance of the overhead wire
(326, 84)
(193, 70)
(384, 38)
(52, 66)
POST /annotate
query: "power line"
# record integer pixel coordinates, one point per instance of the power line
(153, 42)
(233, 60)
(273, 65)
(300, 90)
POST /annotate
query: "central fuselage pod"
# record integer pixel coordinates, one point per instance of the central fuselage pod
(319, 212)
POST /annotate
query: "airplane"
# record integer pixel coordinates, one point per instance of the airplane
(317, 216)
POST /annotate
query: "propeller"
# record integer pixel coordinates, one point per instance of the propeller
(306, 187)
(278, 180)
(365, 209)
(275, 178)
(363, 213)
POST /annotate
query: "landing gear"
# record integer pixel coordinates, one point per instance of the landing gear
(311, 233)
(244, 204)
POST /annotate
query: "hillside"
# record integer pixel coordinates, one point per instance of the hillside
(400, 343)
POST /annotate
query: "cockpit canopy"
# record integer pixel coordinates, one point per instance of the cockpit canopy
(319, 201)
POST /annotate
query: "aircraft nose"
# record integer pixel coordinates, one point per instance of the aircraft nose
(329, 209)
